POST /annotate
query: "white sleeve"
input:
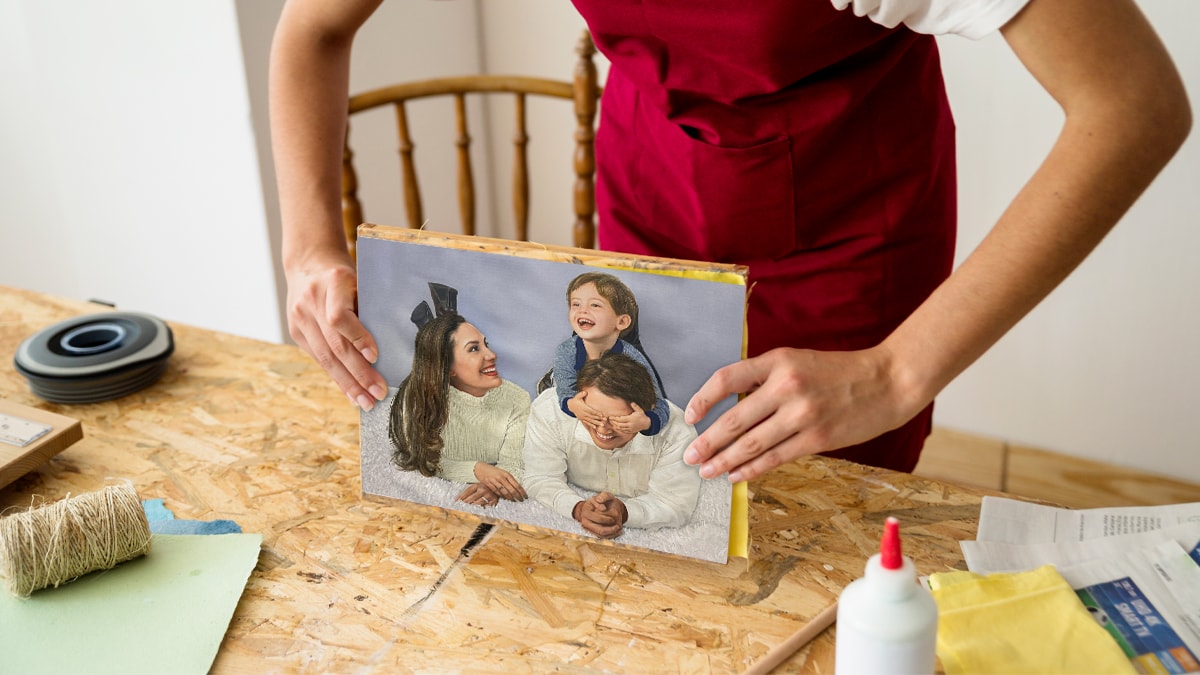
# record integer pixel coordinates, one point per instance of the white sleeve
(545, 457)
(972, 19)
(674, 485)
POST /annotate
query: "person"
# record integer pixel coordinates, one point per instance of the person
(454, 417)
(638, 480)
(812, 141)
(603, 313)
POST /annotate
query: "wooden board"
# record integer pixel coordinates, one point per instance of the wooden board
(1086, 484)
(965, 459)
(1043, 475)
(259, 434)
(17, 461)
(727, 272)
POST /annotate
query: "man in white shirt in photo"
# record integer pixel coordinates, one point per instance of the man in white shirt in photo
(640, 481)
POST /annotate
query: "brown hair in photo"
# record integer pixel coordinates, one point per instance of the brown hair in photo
(419, 410)
(619, 376)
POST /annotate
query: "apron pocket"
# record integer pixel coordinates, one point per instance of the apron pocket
(731, 204)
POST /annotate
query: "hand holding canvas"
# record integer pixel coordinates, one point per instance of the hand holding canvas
(798, 402)
(323, 319)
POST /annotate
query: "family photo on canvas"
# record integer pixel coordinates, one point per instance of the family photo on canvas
(547, 392)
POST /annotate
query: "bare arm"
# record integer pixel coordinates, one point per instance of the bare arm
(309, 87)
(1126, 115)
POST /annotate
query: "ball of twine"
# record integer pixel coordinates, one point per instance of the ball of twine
(56, 543)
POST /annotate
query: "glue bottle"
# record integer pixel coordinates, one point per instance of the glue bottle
(887, 620)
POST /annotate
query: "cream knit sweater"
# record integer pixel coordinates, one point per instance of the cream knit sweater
(488, 428)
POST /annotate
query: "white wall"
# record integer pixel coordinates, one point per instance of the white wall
(128, 166)
(136, 170)
(1107, 367)
(134, 156)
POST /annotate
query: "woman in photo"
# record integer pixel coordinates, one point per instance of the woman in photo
(455, 418)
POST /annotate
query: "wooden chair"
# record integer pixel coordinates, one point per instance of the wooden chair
(584, 91)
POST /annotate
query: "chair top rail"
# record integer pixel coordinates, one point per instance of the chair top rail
(464, 84)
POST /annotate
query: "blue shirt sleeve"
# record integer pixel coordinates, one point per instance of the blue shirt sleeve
(569, 357)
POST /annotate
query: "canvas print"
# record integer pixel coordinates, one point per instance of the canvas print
(545, 386)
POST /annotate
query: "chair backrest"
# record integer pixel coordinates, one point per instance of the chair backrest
(584, 91)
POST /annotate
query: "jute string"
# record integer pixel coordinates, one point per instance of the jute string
(56, 543)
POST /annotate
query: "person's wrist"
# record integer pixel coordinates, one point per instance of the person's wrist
(909, 387)
(575, 511)
(306, 253)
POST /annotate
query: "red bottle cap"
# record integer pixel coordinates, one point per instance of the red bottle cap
(890, 556)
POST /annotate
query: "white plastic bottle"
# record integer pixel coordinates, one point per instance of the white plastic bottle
(887, 620)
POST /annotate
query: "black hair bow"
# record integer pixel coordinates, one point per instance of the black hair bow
(445, 301)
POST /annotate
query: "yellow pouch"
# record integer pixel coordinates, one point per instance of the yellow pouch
(1022, 622)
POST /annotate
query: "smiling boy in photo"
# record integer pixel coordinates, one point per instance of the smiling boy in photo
(603, 314)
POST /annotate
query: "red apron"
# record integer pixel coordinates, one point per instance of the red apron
(811, 145)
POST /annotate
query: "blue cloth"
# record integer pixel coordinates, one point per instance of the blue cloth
(163, 521)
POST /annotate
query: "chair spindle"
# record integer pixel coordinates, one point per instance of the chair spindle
(351, 207)
(586, 94)
(408, 169)
(520, 185)
(466, 178)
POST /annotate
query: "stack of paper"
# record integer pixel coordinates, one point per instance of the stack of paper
(1136, 569)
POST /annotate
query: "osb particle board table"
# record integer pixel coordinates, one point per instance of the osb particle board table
(256, 433)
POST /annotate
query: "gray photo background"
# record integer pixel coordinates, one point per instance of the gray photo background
(688, 327)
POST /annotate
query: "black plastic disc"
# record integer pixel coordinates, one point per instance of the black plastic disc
(95, 358)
